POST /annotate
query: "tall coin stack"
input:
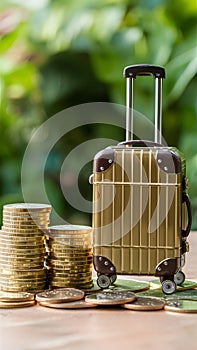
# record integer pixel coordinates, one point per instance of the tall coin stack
(70, 257)
(22, 247)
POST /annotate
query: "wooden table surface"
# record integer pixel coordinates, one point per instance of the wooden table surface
(39, 328)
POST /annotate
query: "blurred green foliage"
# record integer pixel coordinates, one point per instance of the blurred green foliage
(55, 54)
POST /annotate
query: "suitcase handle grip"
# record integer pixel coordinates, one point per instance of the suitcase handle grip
(130, 73)
(141, 143)
(144, 69)
(186, 200)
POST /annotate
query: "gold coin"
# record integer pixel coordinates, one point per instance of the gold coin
(111, 298)
(25, 282)
(20, 279)
(27, 207)
(67, 264)
(68, 258)
(23, 286)
(71, 269)
(70, 228)
(21, 239)
(24, 235)
(70, 278)
(29, 223)
(4, 264)
(21, 259)
(24, 272)
(28, 230)
(27, 286)
(23, 228)
(17, 257)
(18, 296)
(70, 274)
(79, 304)
(30, 289)
(22, 252)
(15, 304)
(181, 306)
(70, 254)
(25, 220)
(71, 284)
(21, 246)
(145, 304)
(60, 295)
(69, 244)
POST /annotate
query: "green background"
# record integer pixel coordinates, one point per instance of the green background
(57, 54)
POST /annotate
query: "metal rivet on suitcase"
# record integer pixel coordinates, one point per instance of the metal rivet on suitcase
(102, 168)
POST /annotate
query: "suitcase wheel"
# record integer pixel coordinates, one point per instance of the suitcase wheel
(179, 278)
(168, 286)
(103, 281)
(113, 278)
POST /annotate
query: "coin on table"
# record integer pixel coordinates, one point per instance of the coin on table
(145, 304)
(60, 295)
(110, 298)
(79, 304)
(11, 296)
(16, 304)
(182, 306)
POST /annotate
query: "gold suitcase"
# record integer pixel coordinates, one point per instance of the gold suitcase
(140, 202)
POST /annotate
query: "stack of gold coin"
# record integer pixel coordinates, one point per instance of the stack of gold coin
(70, 257)
(22, 247)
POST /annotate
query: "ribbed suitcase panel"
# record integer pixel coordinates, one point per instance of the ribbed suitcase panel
(137, 212)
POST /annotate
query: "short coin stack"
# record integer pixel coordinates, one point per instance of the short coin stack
(22, 248)
(70, 257)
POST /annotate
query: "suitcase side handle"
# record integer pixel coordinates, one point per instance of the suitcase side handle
(186, 200)
(144, 69)
(130, 73)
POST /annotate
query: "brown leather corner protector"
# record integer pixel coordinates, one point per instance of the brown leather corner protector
(167, 267)
(103, 265)
(169, 161)
(103, 160)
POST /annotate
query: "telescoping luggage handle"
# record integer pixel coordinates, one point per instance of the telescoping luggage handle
(130, 73)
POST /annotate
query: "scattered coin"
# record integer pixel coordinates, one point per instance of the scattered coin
(81, 304)
(145, 304)
(110, 298)
(60, 295)
(182, 306)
